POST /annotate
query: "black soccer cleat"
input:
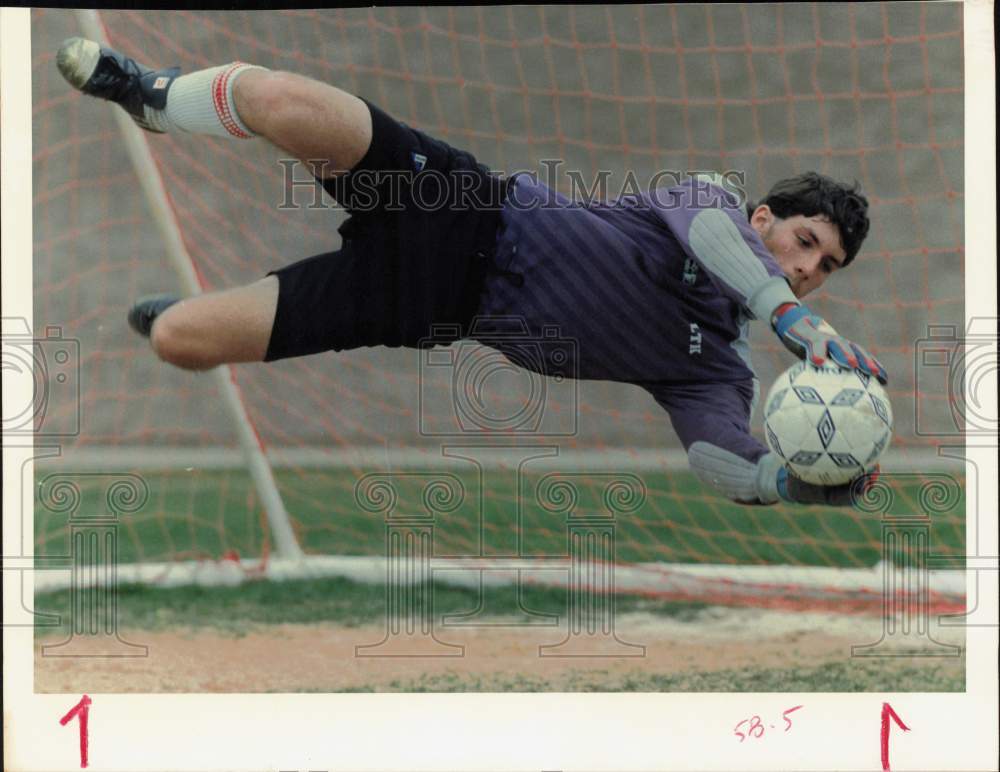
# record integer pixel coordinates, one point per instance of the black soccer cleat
(145, 310)
(105, 73)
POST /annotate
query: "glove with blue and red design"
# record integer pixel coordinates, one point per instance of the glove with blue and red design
(809, 337)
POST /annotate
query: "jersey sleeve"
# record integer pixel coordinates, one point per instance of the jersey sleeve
(718, 413)
(713, 423)
(711, 225)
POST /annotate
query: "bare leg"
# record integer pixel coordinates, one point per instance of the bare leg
(317, 123)
(207, 330)
(322, 126)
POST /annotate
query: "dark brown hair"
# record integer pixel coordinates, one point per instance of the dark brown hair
(812, 194)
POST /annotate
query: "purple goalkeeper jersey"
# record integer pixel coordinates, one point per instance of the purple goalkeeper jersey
(636, 292)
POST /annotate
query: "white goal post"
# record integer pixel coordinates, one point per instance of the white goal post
(152, 186)
(262, 458)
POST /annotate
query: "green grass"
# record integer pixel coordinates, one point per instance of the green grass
(203, 514)
(334, 600)
(239, 611)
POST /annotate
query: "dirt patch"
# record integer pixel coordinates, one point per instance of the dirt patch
(327, 657)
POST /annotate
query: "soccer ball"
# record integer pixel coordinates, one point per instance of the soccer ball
(827, 424)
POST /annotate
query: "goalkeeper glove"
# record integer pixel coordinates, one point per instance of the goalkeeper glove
(809, 337)
(792, 489)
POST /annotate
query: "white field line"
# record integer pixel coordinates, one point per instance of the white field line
(662, 578)
(94, 458)
(682, 579)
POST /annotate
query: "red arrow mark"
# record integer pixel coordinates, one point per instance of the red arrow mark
(81, 709)
(887, 713)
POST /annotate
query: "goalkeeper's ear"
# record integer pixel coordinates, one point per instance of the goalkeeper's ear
(762, 219)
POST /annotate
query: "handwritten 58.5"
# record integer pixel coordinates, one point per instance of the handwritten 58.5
(754, 727)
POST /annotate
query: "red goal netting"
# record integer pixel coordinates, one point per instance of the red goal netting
(872, 92)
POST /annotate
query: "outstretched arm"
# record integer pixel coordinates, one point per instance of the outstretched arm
(713, 423)
(711, 225)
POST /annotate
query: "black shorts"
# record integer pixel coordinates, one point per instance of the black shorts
(423, 226)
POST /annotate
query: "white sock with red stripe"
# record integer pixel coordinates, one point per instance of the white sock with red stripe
(202, 102)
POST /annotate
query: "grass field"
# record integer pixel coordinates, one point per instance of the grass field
(203, 514)
(335, 600)
(211, 639)
(239, 618)
(774, 91)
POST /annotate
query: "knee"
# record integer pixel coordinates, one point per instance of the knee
(264, 96)
(178, 344)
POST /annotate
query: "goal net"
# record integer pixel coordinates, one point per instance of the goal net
(872, 92)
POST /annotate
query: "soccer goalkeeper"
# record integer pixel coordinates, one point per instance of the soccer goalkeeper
(656, 289)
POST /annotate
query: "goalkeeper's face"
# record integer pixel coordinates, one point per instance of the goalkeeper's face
(808, 249)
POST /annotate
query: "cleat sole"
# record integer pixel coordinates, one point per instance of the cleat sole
(77, 59)
(146, 309)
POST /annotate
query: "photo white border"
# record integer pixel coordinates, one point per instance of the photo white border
(485, 731)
